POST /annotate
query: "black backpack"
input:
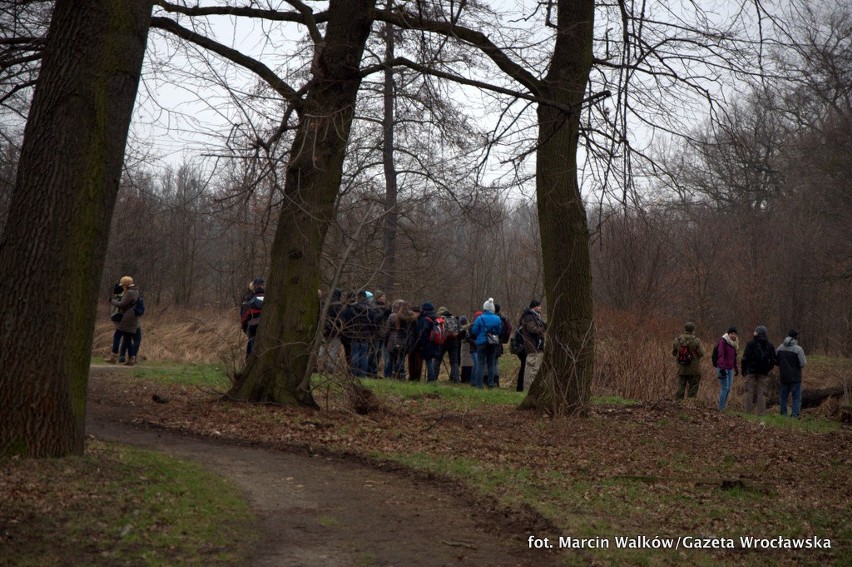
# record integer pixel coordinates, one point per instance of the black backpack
(714, 358)
(505, 330)
(516, 345)
(139, 306)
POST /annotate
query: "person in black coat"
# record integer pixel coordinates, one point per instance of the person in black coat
(758, 361)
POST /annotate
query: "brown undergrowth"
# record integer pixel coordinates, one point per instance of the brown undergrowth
(655, 469)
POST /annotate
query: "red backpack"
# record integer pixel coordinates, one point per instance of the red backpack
(684, 355)
(438, 335)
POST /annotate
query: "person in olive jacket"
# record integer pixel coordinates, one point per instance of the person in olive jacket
(689, 368)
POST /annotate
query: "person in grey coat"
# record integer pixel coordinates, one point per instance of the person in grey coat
(791, 360)
(127, 326)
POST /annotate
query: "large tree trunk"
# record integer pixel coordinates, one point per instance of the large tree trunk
(564, 382)
(54, 243)
(279, 371)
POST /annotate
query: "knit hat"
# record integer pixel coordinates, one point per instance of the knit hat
(427, 306)
(441, 310)
(534, 303)
(793, 334)
(689, 327)
(761, 330)
(258, 282)
(732, 330)
(369, 295)
(488, 305)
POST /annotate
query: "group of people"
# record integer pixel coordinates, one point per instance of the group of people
(397, 340)
(758, 360)
(126, 310)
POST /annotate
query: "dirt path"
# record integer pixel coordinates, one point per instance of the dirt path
(330, 512)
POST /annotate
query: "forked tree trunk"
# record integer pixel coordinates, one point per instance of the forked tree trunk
(54, 243)
(564, 382)
(279, 370)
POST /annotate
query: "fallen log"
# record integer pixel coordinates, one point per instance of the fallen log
(811, 397)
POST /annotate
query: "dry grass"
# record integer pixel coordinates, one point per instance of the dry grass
(187, 335)
(633, 355)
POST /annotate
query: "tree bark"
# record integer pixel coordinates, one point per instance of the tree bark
(278, 370)
(54, 242)
(391, 217)
(563, 385)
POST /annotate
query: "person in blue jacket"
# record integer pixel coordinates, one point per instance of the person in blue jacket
(486, 331)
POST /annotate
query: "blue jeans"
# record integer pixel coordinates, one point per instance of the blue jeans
(487, 355)
(433, 365)
(360, 357)
(796, 390)
(726, 379)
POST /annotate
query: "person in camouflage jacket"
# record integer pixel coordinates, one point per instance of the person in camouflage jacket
(689, 375)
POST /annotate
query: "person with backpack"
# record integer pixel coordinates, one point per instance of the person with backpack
(250, 311)
(486, 332)
(401, 324)
(139, 309)
(471, 341)
(431, 334)
(379, 358)
(532, 330)
(791, 360)
(452, 344)
(465, 353)
(127, 326)
(505, 336)
(359, 320)
(725, 361)
(414, 361)
(757, 362)
(688, 351)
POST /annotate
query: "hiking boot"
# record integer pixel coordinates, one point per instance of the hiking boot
(122, 360)
(113, 356)
(131, 361)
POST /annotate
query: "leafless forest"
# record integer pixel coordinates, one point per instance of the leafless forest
(742, 218)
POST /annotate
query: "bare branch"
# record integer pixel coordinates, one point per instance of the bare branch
(407, 20)
(277, 83)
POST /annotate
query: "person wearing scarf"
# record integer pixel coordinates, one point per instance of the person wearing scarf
(726, 364)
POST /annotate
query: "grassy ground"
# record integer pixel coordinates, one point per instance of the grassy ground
(631, 469)
(119, 506)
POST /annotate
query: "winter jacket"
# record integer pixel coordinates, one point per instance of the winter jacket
(400, 335)
(727, 355)
(791, 360)
(129, 320)
(333, 325)
(360, 321)
(694, 367)
(428, 349)
(758, 356)
(382, 314)
(486, 323)
(251, 312)
(532, 328)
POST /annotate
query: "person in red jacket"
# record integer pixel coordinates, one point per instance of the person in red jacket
(726, 364)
